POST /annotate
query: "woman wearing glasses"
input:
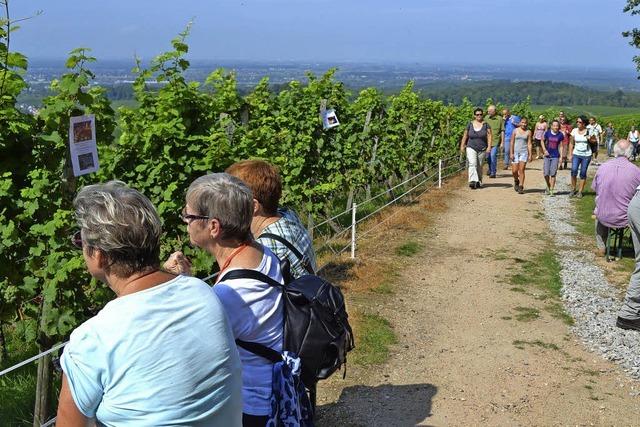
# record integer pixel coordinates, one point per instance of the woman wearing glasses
(161, 352)
(579, 155)
(477, 141)
(218, 214)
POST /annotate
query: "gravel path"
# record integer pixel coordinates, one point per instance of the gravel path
(464, 356)
(589, 297)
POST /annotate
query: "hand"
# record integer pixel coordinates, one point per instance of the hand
(546, 153)
(513, 158)
(178, 264)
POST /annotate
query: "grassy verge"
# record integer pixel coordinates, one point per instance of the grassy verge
(539, 277)
(374, 337)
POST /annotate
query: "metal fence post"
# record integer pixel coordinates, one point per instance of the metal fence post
(353, 231)
(440, 173)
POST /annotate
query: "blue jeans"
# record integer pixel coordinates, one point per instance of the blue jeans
(581, 162)
(507, 157)
(492, 161)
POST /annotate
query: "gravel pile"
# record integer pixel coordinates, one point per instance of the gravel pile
(588, 297)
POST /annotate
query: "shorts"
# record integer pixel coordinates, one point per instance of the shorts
(536, 142)
(520, 157)
(550, 166)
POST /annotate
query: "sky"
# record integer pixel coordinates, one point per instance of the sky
(501, 32)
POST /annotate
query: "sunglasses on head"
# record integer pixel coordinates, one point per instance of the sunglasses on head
(76, 239)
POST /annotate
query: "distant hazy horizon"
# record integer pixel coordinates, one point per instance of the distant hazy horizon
(535, 33)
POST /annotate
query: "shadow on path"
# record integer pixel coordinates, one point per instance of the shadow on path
(384, 405)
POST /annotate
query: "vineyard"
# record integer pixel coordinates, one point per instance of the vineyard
(177, 131)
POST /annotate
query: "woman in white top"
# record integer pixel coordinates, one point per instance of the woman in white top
(218, 213)
(579, 155)
(634, 138)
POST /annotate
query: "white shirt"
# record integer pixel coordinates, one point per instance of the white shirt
(581, 145)
(595, 130)
(255, 313)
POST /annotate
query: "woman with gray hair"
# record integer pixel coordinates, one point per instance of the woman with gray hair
(160, 353)
(218, 213)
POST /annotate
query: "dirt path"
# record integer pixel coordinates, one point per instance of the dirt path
(462, 358)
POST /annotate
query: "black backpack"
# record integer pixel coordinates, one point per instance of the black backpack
(316, 325)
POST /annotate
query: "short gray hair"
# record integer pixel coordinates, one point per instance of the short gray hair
(225, 198)
(623, 148)
(120, 222)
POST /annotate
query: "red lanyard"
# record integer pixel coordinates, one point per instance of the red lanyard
(228, 261)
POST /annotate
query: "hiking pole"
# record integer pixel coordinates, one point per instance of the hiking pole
(440, 173)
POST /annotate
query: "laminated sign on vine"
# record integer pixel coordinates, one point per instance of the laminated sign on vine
(82, 144)
(329, 119)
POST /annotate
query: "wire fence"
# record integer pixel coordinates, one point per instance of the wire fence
(445, 170)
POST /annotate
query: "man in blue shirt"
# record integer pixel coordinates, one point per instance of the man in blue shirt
(510, 123)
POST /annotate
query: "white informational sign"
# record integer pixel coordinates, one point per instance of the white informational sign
(82, 144)
(329, 119)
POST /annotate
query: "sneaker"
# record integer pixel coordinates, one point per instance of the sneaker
(623, 323)
(547, 191)
(579, 195)
(492, 176)
(552, 192)
(479, 184)
(472, 185)
(516, 184)
(573, 193)
(521, 190)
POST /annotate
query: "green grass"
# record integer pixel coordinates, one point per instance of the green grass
(17, 388)
(584, 210)
(384, 288)
(409, 249)
(537, 343)
(374, 337)
(526, 314)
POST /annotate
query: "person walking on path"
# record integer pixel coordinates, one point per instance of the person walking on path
(538, 135)
(511, 122)
(477, 141)
(520, 154)
(634, 138)
(610, 134)
(629, 314)
(496, 124)
(595, 129)
(615, 183)
(550, 145)
(580, 156)
(565, 128)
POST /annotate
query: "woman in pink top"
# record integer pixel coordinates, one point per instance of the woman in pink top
(538, 135)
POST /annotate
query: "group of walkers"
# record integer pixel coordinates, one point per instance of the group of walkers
(556, 143)
(616, 182)
(163, 352)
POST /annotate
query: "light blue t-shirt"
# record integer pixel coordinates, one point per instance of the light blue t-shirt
(162, 356)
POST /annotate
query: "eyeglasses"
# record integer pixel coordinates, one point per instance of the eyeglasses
(187, 218)
(579, 121)
(478, 114)
(76, 239)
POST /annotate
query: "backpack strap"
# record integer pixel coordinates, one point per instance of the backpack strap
(260, 350)
(253, 347)
(245, 273)
(293, 249)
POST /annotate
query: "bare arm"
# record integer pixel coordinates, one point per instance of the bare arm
(489, 139)
(68, 413)
(529, 146)
(463, 141)
(543, 145)
(513, 138)
(571, 144)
